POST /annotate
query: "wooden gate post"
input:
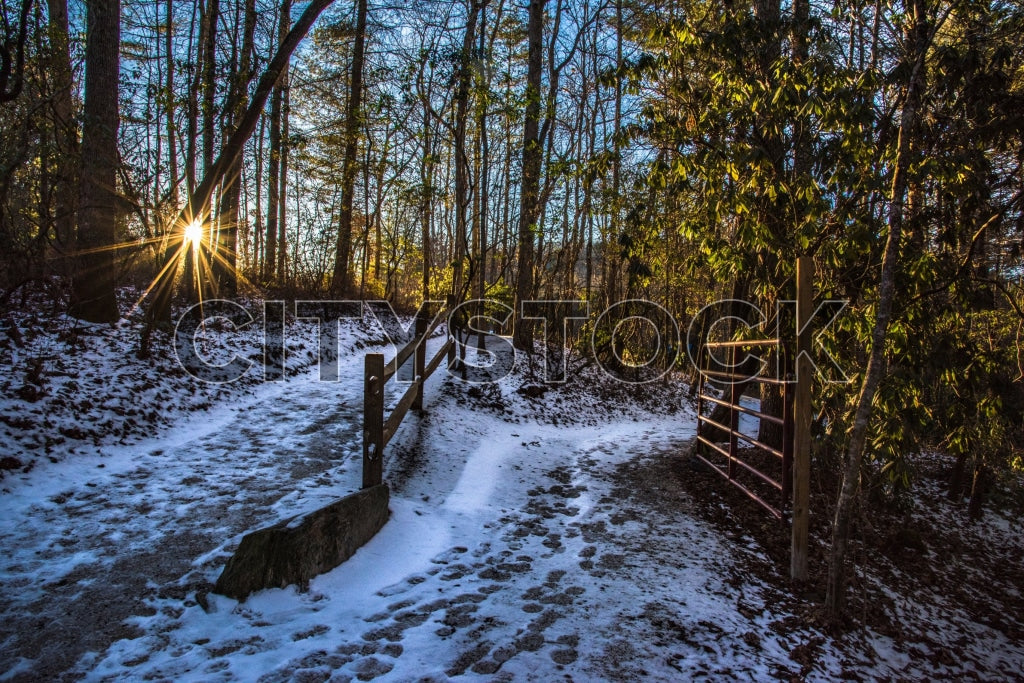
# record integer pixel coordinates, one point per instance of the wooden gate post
(734, 413)
(787, 431)
(373, 420)
(419, 363)
(802, 418)
(701, 384)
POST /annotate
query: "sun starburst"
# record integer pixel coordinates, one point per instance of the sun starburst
(194, 234)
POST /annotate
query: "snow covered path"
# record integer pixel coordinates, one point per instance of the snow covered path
(514, 550)
(92, 539)
(531, 553)
(536, 533)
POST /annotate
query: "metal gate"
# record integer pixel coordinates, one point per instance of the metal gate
(776, 478)
(756, 462)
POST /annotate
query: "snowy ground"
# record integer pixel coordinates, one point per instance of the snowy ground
(543, 538)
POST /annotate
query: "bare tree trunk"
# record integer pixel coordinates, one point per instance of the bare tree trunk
(172, 135)
(282, 204)
(612, 255)
(257, 230)
(225, 265)
(427, 178)
(529, 200)
(378, 210)
(506, 211)
(273, 186)
(482, 174)
(588, 189)
(94, 282)
(192, 113)
(461, 161)
(274, 170)
(65, 129)
(368, 220)
(342, 281)
(293, 278)
(209, 86)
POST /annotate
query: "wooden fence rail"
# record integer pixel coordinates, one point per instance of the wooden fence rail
(295, 550)
(378, 430)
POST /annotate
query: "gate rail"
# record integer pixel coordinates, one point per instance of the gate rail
(735, 382)
(793, 484)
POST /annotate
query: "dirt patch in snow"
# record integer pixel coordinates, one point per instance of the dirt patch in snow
(944, 595)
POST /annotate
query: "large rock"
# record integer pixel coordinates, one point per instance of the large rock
(295, 550)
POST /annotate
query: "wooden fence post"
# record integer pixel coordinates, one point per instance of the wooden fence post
(373, 420)
(802, 418)
(420, 361)
(450, 303)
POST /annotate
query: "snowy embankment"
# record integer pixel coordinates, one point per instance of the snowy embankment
(71, 388)
(532, 537)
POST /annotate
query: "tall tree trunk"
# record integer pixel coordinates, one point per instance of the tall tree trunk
(273, 187)
(172, 134)
(257, 230)
(296, 241)
(95, 279)
(529, 200)
(192, 109)
(378, 218)
(207, 88)
(461, 160)
(427, 179)
(483, 173)
(342, 281)
(918, 43)
(226, 263)
(209, 85)
(506, 211)
(274, 168)
(612, 254)
(368, 219)
(65, 181)
(588, 190)
(282, 205)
